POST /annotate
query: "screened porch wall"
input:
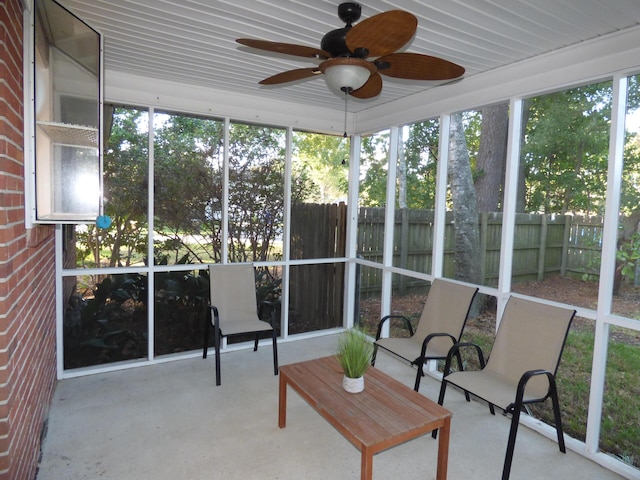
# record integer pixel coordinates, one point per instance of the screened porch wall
(486, 92)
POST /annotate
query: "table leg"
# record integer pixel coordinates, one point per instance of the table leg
(443, 449)
(282, 402)
(366, 464)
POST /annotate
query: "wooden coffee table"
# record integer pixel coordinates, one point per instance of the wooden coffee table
(387, 413)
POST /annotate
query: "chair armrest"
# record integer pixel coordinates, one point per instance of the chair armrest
(455, 350)
(405, 321)
(274, 305)
(215, 317)
(431, 336)
(522, 384)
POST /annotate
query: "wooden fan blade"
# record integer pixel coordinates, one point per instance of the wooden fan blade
(383, 33)
(290, 76)
(416, 66)
(286, 48)
(370, 89)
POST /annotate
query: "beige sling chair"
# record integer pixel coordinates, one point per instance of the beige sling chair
(522, 366)
(440, 326)
(234, 310)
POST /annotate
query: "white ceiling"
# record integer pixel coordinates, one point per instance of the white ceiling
(193, 41)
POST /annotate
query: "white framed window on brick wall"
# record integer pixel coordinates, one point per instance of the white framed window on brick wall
(63, 69)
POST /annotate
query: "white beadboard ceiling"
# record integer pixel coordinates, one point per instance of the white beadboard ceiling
(193, 41)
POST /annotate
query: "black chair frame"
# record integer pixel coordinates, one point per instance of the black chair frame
(515, 408)
(212, 320)
(421, 359)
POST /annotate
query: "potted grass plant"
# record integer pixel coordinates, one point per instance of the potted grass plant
(354, 355)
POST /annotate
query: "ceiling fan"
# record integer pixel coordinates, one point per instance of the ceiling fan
(353, 58)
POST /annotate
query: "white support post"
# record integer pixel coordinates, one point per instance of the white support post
(352, 231)
(60, 307)
(608, 261)
(389, 225)
(286, 237)
(150, 234)
(510, 199)
(225, 192)
(440, 208)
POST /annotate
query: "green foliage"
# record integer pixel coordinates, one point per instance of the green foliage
(630, 193)
(354, 353)
(189, 192)
(565, 149)
(374, 156)
(564, 156)
(268, 285)
(187, 174)
(323, 160)
(125, 185)
(420, 163)
(111, 293)
(110, 325)
(628, 255)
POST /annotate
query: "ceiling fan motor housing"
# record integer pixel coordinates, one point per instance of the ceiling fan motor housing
(334, 42)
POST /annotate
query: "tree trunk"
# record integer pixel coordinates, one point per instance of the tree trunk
(521, 194)
(492, 155)
(465, 209)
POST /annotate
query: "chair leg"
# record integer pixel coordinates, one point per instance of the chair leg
(461, 369)
(373, 356)
(419, 376)
(255, 342)
(515, 421)
(274, 341)
(443, 388)
(558, 418)
(207, 322)
(216, 343)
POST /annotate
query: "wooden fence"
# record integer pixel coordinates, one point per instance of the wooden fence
(317, 231)
(543, 244)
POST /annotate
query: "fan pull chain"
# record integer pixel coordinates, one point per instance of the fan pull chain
(344, 136)
(346, 97)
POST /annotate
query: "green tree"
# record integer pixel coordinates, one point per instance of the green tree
(374, 157)
(420, 160)
(324, 160)
(189, 176)
(565, 153)
(188, 186)
(125, 190)
(256, 190)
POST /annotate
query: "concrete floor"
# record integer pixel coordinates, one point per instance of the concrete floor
(169, 421)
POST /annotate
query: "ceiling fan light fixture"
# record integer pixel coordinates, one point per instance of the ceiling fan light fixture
(346, 73)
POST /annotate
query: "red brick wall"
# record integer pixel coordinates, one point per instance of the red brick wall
(27, 286)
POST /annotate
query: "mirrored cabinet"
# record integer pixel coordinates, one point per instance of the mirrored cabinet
(67, 100)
